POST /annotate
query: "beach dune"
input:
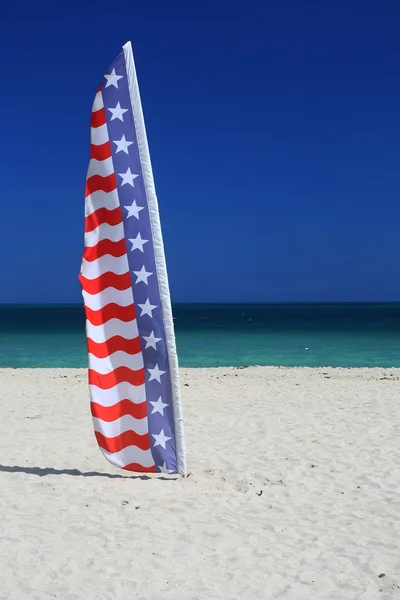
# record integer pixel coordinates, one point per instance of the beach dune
(292, 493)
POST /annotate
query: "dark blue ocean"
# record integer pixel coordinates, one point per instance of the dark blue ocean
(210, 335)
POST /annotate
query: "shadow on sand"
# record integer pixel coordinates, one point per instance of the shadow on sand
(42, 472)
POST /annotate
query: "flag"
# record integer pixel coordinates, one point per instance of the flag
(133, 365)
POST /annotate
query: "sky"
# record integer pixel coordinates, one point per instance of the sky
(274, 132)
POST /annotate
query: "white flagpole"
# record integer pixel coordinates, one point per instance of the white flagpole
(159, 253)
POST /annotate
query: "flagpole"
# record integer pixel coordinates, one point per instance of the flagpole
(159, 253)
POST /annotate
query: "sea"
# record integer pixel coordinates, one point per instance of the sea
(216, 335)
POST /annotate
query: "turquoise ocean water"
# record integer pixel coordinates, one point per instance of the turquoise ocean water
(313, 335)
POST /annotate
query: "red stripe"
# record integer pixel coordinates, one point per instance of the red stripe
(97, 183)
(139, 468)
(120, 374)
(104, 247)
(100, 152)
(98, 118)
(97, 285)
(123, 440)
(102, 215)
(112, 413)
(110, 311)
(103, 349)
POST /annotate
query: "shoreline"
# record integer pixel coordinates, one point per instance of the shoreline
(292, 492)
(217, 368)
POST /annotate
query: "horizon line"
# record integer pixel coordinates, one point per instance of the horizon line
(205, 303)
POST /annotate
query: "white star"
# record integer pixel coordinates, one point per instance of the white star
(160, 438)
(147, 308)
(128, 177)
(164, 469)
(117, 112)
(122, 145)
(133, 210)
(142, 275)
(112, 79)
(138, 243)
(151, 341)
(156, 373)
(158, 406)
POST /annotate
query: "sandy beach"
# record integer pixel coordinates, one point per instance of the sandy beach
(293, 491)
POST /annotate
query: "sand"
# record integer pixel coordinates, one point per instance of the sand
(293, 491)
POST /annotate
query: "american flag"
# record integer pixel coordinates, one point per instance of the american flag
(133, 366)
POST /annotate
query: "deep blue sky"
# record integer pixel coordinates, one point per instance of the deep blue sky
(274, 131)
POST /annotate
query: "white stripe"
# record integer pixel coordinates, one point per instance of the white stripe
(108, 296)
(104, 231)
(115, 360)
(99, 135)
(129, 455)
(105, 264)
(104, 168)
(111, 429)
(113, 327)
(121, 391)
(100, 199)
(98, 102)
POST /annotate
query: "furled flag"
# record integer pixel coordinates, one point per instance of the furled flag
(133, 366)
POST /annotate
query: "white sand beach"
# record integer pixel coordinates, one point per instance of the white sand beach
(293, 493)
